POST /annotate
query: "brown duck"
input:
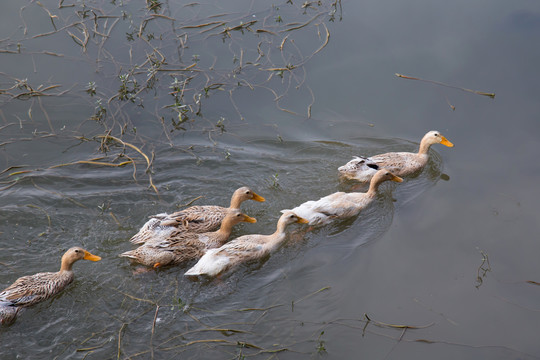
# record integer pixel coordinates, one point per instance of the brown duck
(399, 163)
(181, 246)
(30, 290)
(195, 219)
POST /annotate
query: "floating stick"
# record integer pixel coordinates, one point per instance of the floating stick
(491, 95)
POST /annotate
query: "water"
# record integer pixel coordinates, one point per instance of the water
(415, 258)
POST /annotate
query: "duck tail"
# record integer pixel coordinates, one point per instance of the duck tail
(138, 239)
(8, 313)
(192, 272)
(129, 254)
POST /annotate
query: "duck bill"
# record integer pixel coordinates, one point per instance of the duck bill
(445, 142)
(397, 179)
(91, 257)
(249, 219)
(302, 220)
(257, 197)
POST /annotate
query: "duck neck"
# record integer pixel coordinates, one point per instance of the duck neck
(280, 230)
(225, 229)
(373, 188)
(235, 202)
(424, 148)
(66, 265)
(275, 239)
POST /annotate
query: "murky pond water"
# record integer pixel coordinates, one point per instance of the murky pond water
(199, 99)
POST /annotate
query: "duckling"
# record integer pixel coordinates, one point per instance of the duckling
(195, 219)
(243, 248)
(30, 290)
(181, 247)
(399, 163)
(341, 205)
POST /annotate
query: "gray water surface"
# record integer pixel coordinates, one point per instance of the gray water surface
(451, 253)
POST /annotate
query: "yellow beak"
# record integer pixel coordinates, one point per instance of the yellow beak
(249, 219)
(397, 179)
(445, 142)
(258, 197)
(302, 220)
(91, 257)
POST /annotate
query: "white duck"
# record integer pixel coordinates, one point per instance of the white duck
(341, 205)
(244, 248)
(399, 163)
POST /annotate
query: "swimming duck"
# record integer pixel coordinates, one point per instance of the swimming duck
(244, 248)
(197, 219)
(341, 205)
(30, 290)
(399, 163)
(181, 246)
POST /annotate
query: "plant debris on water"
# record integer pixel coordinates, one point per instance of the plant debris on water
(153, 68)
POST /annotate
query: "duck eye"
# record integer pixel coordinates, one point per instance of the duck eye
(248, 192)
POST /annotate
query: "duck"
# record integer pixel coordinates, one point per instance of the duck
(243, 249)
(32, 289)
(195, 219)
(341, 205)
(401, 164)
(181, 247)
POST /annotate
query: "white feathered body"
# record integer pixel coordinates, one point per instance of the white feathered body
(242, 249)
(359, 168)
(339, 205)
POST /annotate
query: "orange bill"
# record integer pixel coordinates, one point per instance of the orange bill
(397, 179)
(302, 220)
(91, 257)
(249, 219)
(258, 197)
(445, 142)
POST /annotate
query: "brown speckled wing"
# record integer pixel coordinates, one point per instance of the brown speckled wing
(190, 250)
(177, 254)
(30, 290)
(401, 163)
(196, 219)
(199, 218)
